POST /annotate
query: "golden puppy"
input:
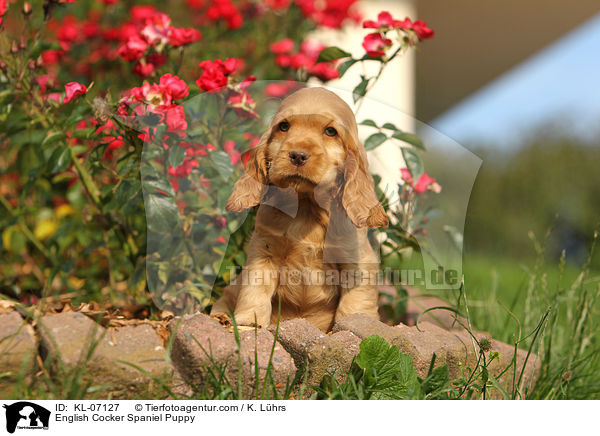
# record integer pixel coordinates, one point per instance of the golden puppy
(309, 256)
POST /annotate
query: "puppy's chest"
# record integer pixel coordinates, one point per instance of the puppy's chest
(295, 241)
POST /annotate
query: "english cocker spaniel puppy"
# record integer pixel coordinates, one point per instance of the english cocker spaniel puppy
(309, 256)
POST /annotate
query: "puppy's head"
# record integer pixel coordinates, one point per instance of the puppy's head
(312, 141)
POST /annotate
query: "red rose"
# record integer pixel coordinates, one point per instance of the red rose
(280, 89)
(246, 82)
(133, 49)
(90, 30)
(55, 97)
(73, 90)
(115, 143)
(67, 32)
(176, 87)
(300, 60)
(234, 155)
(384, 19)
(329, 13)
(312, 48)
(423, 183)
(226, 10)
(51, 57)
(284, 46)
(184, 169)
(176, 119)
(212, 78)
(140, 13)
(375, 44)
(143, 69)
(324, 71)
(421, 29)
(406, 175)
(179, 36)
(283, 60)
(45, 81)
(3, 8)
(235, 21)
(215, 73)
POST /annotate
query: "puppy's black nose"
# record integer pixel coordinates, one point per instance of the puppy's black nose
(299, 158)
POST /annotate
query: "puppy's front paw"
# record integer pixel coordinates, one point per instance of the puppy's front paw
(251, 319)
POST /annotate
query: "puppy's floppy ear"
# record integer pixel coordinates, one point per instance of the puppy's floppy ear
(359, 197)
(251, 186)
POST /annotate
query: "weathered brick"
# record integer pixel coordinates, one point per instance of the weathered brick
(332, 355)
(256, 348)
(135, 344)
(297, 336)
(18, 346)
(364, 326)
(198, 339)
(422, 343)
(201, 346)
(68, 336)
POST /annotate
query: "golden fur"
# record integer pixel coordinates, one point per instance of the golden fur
(331, 200)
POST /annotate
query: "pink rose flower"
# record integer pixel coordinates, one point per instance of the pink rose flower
(73, 90)
(176, 87)
(182, 36)
(375, 45)
(284, 46)
(133, 49)
(175, 118)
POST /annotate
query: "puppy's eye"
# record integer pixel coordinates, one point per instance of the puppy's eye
(330, 131)
(284, 126)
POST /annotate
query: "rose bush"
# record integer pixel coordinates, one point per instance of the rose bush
(122, 129)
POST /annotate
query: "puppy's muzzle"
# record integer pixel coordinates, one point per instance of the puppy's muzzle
(298, 157)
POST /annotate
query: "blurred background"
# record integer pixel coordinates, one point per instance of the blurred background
(516, 84)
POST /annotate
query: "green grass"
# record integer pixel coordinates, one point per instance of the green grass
(511, 301)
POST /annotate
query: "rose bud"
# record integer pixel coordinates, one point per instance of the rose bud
(27, 9)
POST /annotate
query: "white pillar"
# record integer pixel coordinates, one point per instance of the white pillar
(392, 98)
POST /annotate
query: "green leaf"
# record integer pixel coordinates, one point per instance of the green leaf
(123, 195)
(498, 386)
(151, 185)
(370, 123)
(389, 126)
(413, 162)
(387, 373)
(344, 66)
(409, 138)
(331, 54)
(176, 156)
(161, 212)
(53, 138)
(375, 140)
(59, 160)
(222, 163)
(436, 381)
(360, 91)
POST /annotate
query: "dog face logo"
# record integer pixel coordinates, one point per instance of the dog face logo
(26, 415)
